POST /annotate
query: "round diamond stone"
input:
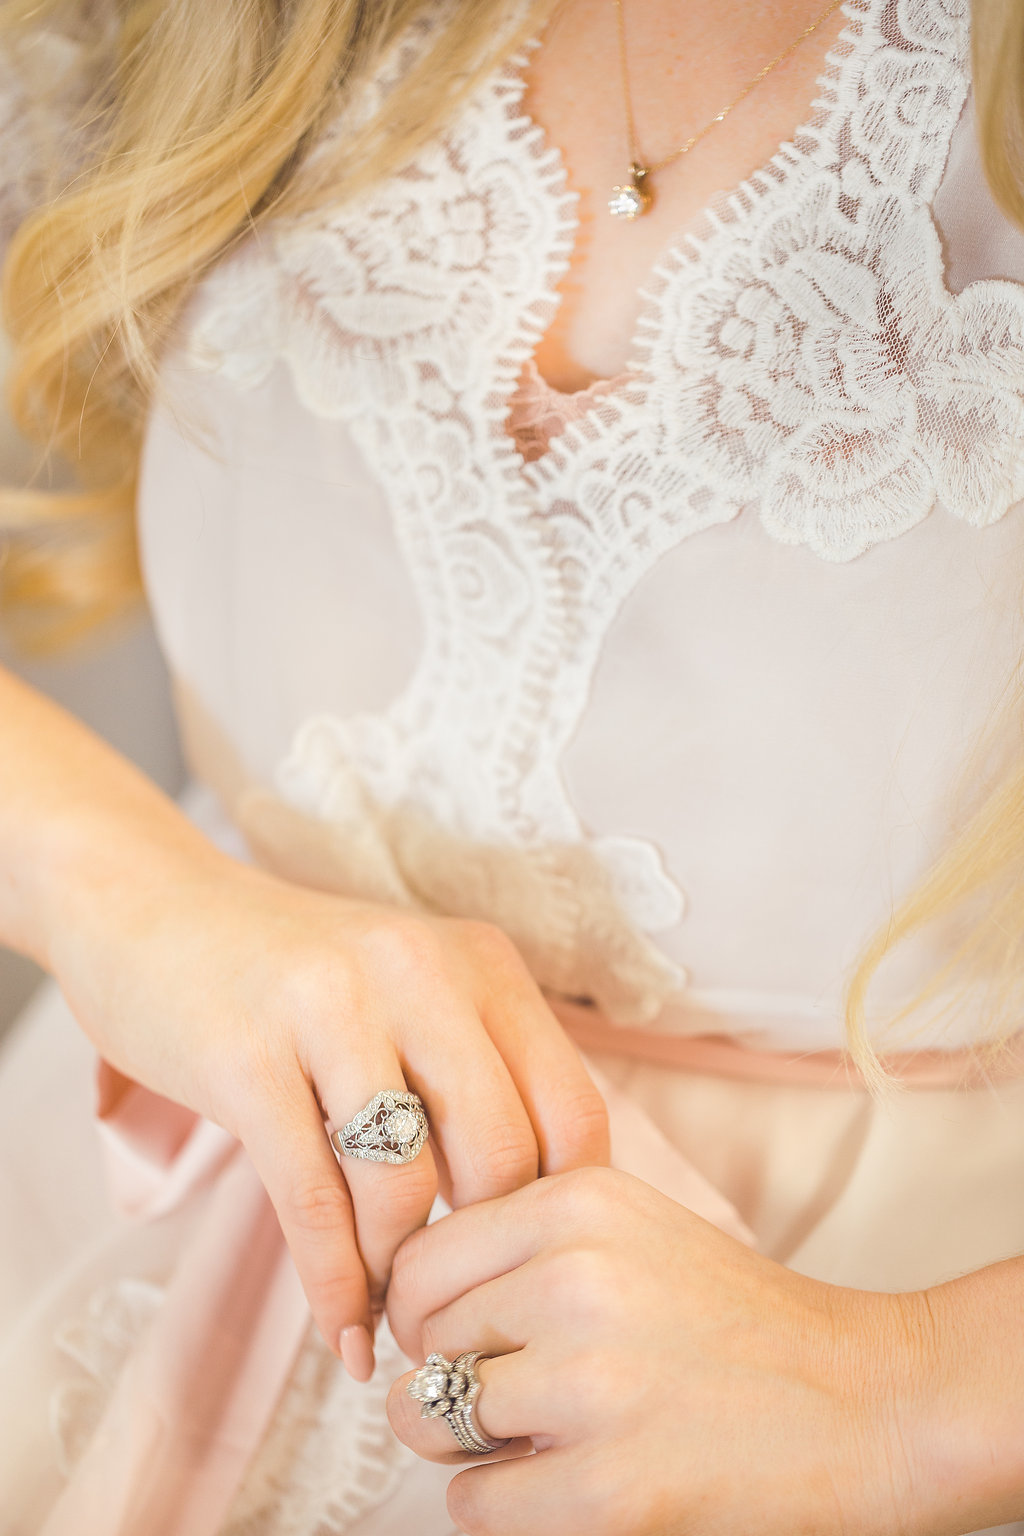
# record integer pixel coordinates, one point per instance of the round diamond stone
(430, 1384)
(401, 1126)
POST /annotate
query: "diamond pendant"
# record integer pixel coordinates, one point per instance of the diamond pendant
(633, 200)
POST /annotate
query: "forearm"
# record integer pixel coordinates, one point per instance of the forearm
(79, 825)
(971, 1419)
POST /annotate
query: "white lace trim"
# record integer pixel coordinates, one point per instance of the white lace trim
(798, 353)
(98, 1343)
(538, 412)
(328, 1457)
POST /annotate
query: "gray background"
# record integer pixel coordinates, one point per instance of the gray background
(116, 683)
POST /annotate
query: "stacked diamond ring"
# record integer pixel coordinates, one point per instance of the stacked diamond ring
(449, 1389)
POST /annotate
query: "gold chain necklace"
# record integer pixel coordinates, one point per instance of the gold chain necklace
(635, 198)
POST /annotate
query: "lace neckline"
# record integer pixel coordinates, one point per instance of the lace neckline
(802, 151)
(801, 357)
(538, 412)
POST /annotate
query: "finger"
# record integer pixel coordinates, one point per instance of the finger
(499, 1317)
(444, 1178)
(568, 1114)
(467, 1249)
(504, 1410)
(286, 1139)
(551, 1494)
(391, 1200)
(476, 1112)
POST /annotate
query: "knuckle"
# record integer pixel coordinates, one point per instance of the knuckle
(404, 950)
(318, 986)
(506, 1159)
(583, 1119)
(490, 943)
(317, 1207)
(583, 1196)
(584, 1283)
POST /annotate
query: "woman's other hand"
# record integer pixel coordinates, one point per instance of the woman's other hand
(672, 1381)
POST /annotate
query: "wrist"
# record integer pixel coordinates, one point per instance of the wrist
(962, 1420)
(103, 871)
(77, 823)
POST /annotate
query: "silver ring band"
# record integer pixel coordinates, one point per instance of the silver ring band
(449, 1389)
(393, 1128)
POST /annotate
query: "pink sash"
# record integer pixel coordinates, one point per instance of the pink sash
(723, 1056)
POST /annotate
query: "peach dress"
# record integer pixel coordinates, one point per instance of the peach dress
(674, 681)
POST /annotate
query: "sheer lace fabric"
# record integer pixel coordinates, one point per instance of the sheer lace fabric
(328, 1459)
(538, 413)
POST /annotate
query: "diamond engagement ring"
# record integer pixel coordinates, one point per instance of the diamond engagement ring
(391, 1129)
(448, 1389)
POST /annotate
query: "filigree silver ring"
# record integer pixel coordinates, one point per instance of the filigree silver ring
(393, 1128)
(448, 1389)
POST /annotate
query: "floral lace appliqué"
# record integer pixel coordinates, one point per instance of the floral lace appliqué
(799, 354)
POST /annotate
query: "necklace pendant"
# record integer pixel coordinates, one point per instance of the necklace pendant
(632, 200)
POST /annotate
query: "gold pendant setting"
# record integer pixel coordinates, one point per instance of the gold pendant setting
(634, 199)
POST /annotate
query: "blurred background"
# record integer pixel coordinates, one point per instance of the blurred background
(116, 683)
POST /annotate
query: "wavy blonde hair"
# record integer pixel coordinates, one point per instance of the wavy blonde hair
(204, 114)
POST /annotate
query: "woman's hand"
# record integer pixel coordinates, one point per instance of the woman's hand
(268, 1008)
(673, 1381)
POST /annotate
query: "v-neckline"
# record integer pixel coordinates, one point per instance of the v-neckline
(793, 156)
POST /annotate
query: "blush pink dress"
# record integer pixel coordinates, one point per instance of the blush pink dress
(676, 681)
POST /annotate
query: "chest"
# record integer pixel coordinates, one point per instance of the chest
(797, 351)
(683, 66)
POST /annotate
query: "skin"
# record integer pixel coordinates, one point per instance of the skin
(268, 1008)
(707, 1386)
(686, 62)
(644, 1387)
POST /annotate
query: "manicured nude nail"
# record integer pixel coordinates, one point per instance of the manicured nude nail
(357, 1352)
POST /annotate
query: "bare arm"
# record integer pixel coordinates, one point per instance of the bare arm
(263, 1006)
(76, 820)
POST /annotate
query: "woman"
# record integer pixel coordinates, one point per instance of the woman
(533, 530)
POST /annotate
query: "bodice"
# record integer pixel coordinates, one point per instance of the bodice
(730, 632)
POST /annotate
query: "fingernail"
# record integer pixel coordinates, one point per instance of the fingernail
(357, 1352)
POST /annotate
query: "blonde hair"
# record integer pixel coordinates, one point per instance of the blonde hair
(202, 117)
(975, 888)
(204, 114)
